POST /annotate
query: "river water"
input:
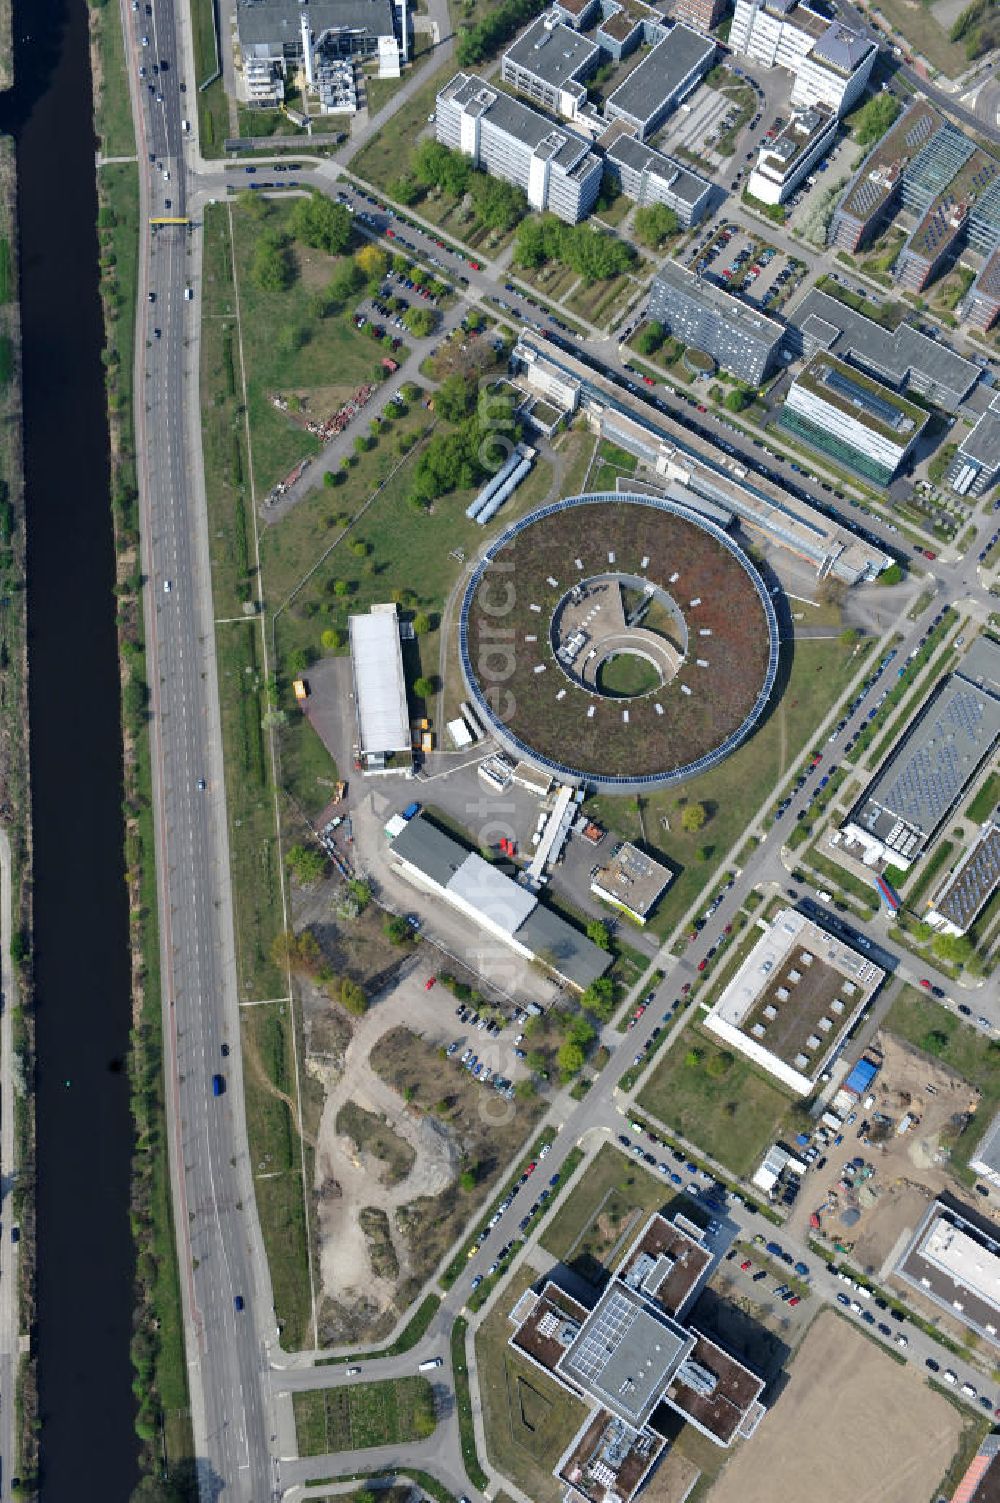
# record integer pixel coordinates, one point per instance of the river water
(85, 1254)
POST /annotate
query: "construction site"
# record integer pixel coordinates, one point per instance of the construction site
(881, 1154)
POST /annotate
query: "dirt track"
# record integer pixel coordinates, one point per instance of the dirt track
(852, 1423)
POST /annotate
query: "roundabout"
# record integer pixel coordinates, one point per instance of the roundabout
(619, 641)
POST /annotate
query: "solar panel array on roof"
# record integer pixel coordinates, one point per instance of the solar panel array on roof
(969, 887)
(925, 788)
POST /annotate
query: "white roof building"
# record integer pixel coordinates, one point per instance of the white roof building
(382, 718)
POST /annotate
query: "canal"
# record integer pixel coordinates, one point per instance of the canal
(85, 1254)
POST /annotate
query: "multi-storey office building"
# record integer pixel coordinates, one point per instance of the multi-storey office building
(976, 466)
(556, 168)
(829, 62)
(549, 63)
(784, 162)
(650, 177)
(742, 340)
(982, 305)
(859, 423)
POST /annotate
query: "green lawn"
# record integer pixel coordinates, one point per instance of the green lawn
(615, 1194)
(388, 153)
(811, 677)
(528, 1418)
(113, 110)
(367, 1414)
(290, 350)
(986, 799)
(268, 1079)
(716, 1100)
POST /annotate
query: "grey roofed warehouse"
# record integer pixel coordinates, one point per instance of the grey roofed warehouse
(500, 906)
(273, 28)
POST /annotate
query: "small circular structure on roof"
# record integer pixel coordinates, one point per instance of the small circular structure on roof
(619, 640)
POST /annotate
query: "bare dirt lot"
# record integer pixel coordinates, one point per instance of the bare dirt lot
(851, 1423)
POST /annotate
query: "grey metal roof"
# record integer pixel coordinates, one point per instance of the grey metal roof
(489, 890)
(278, 20)
(448, 864)
(983, 444)
(891, 354)
(684, 183)
(842, 48)
(433, 852)
(559, 145)
(568, 951)
(555, 54)
(661, 72)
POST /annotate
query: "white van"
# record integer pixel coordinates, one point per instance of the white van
(430, 1364)
(186, 127)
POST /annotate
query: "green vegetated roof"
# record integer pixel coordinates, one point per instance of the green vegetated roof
(722, 695)
(810, 380)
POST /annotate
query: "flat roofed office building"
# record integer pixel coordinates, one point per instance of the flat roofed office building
(742, 340)
(968, 889)
(903, 357)
(932, 764)
(982, 304)
(953, 1260)
(976, 466)
(794, 999)
(830, 63)
(854, 419)
(631, 881)
(276, 29)
(649, 177)
(556, 168)
(548, 63)
(657, 85)
(784, 162)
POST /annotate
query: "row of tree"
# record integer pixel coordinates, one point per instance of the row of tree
(475, 449)
(484, 40)
(592, 254)
(496, 205)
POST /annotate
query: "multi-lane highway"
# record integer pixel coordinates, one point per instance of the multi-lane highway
(221, 1262)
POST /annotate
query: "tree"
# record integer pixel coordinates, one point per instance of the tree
(569, 1060)
(397, 929)
(421, 624)
(654, 223)
(581, 1032)
(305, 863)
(498, 205)
(455, 398)
(352, 996)
(535, 1061)
(873, 119)
(271, 268)
(405, 189)
(599, 998)
(850, 636)
(467, 1180)
(693, 817)
(420, 321)
(650, 337)
(299, 952)
(954, 949)
(597, 933)
(423, 687)
(739, 398)
(347, 280)
(321, 223)
(341, 587)
(332, 639)
(371, 262)
(891, 576)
